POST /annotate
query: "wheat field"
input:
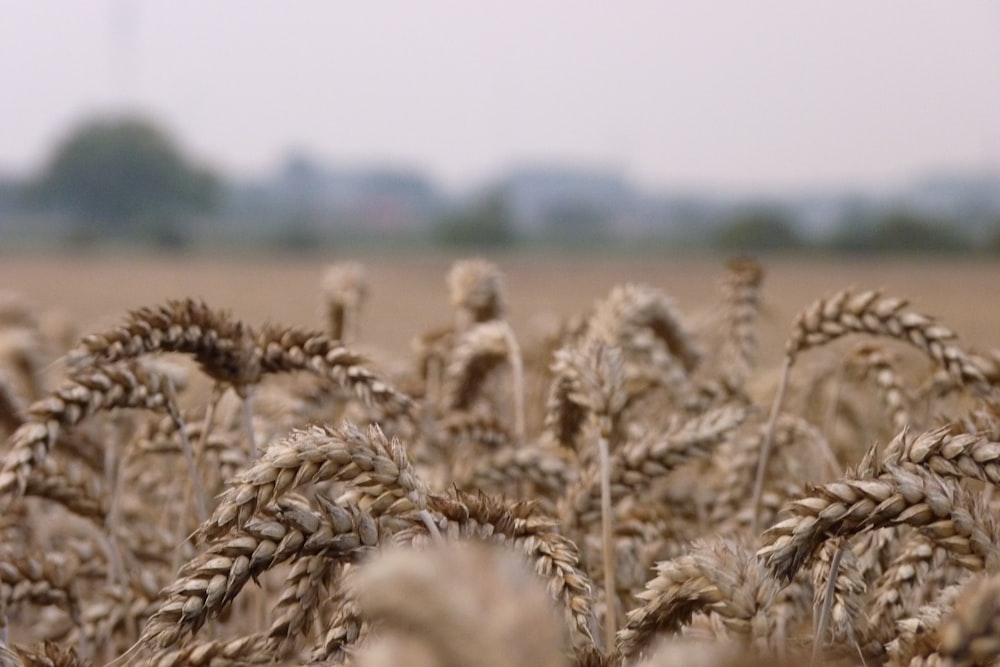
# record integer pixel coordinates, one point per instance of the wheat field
(522, 460)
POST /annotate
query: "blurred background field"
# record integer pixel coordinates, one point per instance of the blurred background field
(408, 294)
(154, 149)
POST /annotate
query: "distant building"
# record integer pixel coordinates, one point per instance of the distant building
(564, 200)
(321, 200)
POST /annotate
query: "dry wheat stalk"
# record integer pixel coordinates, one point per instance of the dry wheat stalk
(642, 462)
(547, 470)
(74, 486)
(630, 309)
(566, 409)
(599, 386)
(39, 579)
(379, 469)
(111, 620)
(345, 630)
(476, 289)
(288, 349)
(303, 592)
(477, 353)
(918, 636)
(877, 362)
(799, 442)
(222, 346)
(949, 453)
(845, 617)
(458, 428)
(86, 392)
(906, 584)
(215, 577)
(345, 289)
(908, 495)
(248, 650)
(868, 312)
(720, 576)
(741, 294)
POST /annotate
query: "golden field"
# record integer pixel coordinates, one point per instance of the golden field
(611, 434)
(408, 294)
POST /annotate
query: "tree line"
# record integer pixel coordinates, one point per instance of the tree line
(126, 178)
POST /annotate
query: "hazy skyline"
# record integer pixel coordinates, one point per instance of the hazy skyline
(735, 95)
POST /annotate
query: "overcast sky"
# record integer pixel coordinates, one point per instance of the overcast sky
(738, 94)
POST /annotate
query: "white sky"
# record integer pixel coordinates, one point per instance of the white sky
(737, 94)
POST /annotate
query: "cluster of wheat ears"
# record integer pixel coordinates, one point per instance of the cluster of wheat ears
(623, 487)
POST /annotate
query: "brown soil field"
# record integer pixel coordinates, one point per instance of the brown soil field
(408, 294)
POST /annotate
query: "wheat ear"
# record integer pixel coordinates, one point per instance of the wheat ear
(868, 312)
(721, 576)
(379, 469)
(345, 289)
(907, 495)
(222, 346)
(87, 392)
(288, 349)
(971, 636)
(741, 293)
(214, 578)
(476, 289)
(480, 350)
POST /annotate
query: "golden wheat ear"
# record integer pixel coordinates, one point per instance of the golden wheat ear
(222, 346)
(290, 349)
(293, 529)
(478, 352)
(720, 576)
(899, 494)
(476, 289)
(737, 354)
(88, 391)
(868, 312)
(345, 290)
(383, 472)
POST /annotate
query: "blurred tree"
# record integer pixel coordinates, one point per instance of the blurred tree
(576, 223)
(993, 237)
(124, 176)
(758, 229)
(485, 224)
(898, 231)
(906, 231)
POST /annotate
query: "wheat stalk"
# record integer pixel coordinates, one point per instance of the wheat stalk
(720, 576)
(907, 495)
(87, 392)
(476, 289)
(345, 289)
(215, 577)
(379, 469)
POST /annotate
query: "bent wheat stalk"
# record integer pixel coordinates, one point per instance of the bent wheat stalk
(88, 391)
(868, 312)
